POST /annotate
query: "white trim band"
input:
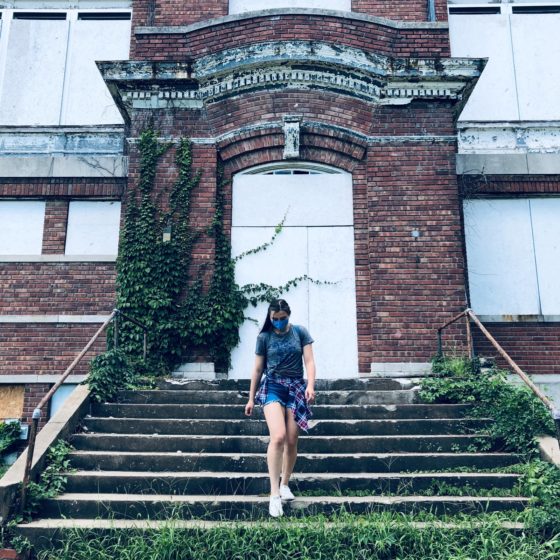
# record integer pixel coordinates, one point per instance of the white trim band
(80, 319)
(32, 379)
(58, 258)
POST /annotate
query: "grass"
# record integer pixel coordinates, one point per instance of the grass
(376, 536)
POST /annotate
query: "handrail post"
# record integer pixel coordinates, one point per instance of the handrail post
(116, 331)
(470, 345)
(145, 345)
(28, 463)
(439, 343)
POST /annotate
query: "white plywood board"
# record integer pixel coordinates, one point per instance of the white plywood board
(59, 397)
(305, 200)
(500, 257)
(21, 227)
(479, 36)
(34, 74)
(536, 51)
(87, 99)
(545, 213)
(93, 228)
(332, 307)
(240, 6)
(284, 260)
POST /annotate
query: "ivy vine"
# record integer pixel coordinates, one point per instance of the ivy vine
(158, 284)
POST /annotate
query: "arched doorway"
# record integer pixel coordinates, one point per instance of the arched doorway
(317, 240)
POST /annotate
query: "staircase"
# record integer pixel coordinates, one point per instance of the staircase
(186, 450)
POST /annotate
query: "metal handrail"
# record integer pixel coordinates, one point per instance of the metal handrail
(114, 316)
(470, 314)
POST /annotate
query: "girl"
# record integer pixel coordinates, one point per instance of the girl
(283, 394)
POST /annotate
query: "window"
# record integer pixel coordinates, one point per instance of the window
(48, 74)
(520, 81)
(240, 6)
(513, 256)
(93, 228)
(21, 227)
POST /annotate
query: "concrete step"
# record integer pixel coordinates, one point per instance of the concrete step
(45, 533)
(140, 506)
(249, 427)
(258, 444)
(240, 397)
(236, 411)
(214, 483)
(227, 462)
(353, 384)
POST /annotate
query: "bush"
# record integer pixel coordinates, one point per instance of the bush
(109, 373)
(519, 416)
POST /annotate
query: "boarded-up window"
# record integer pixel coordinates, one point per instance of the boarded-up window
(48, 75)
(513, 255)
(11, 401)
(93, 228)
(21, 227)
(522, 77)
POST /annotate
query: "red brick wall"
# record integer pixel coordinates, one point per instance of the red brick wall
(57, 288)
(56, 218)
(174, 12)
(62, 188)
(32, 397)
(416, 284)
(509, 184)
(39, 348)
(368, 36)
(535, 347)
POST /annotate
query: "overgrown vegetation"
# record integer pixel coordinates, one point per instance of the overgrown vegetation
(9, 435)
(519, 417)
(377, 536)
(186, 306)
(52, 480)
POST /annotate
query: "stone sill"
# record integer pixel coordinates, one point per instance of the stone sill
(57, 258)
(519, 318)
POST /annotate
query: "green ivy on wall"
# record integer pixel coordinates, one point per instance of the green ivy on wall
(155, 283)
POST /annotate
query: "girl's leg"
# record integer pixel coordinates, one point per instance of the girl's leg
(290, 447)
(275, 419)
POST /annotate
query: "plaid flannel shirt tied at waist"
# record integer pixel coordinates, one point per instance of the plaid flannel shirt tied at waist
(297, 402)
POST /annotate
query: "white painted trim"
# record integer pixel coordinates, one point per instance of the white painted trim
(400, 369)
(33, 379)
(508, 164)
(64, 166)
(58, 258)
(81, 319)
(195, 370)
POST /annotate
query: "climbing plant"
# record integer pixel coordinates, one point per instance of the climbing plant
(158, 285)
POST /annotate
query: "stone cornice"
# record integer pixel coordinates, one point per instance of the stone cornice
(278, 65)
(351, 16)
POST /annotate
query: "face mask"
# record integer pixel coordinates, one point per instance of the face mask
(280, 324)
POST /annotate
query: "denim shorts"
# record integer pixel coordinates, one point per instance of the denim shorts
(277, 393)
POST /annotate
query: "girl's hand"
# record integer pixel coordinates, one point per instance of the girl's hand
(310, 394)
(249, 407)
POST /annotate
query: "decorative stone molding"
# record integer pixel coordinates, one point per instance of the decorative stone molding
(287, 65)
(509, 137)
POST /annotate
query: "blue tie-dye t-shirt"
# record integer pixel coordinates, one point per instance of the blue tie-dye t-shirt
(283, 352)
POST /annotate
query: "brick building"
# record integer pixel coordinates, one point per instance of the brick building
(412, 177)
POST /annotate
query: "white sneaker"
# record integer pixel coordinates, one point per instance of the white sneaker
(286, 493)
(275, 506)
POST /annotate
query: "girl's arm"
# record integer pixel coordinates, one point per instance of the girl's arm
(309, 361)
(256, 375)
